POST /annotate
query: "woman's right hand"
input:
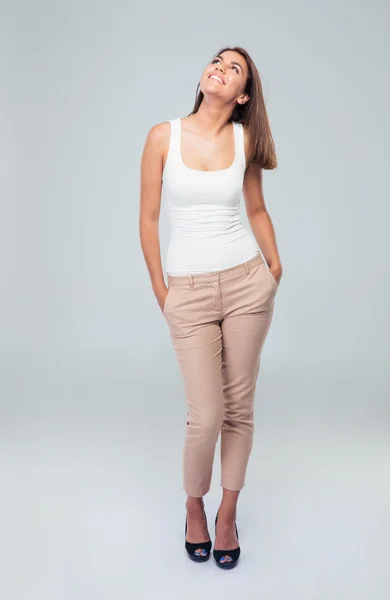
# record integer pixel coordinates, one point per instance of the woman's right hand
(161, 297)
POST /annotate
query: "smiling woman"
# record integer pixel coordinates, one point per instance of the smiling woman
(235, 65)
(220, 297)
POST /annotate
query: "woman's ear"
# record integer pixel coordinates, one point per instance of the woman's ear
(244, 98)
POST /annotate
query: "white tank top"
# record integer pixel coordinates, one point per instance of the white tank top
(206, 233)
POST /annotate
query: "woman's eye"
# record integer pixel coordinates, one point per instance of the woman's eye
(234, 67)
(215, 59)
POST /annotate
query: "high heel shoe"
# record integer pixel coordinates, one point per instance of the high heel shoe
(199, 552)
(227, 559)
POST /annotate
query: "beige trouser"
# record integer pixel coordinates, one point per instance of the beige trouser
(218, 323)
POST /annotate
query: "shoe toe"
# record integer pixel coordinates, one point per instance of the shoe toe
(225, 559)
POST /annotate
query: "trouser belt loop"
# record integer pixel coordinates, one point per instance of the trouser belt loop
(246, 267)
(191, 281)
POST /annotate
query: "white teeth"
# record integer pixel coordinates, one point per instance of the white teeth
(216, 77)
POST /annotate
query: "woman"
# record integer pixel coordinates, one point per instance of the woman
(220, 296)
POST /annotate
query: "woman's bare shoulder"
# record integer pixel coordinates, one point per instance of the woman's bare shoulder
(159, 133)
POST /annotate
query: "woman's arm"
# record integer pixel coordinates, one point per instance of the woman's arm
(156, 143)
(259, 219)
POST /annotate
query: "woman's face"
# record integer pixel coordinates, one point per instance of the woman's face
(226, 76)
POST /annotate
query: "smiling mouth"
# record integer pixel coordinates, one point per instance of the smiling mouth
(216, 77)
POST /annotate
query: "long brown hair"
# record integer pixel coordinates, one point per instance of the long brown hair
(252, 115)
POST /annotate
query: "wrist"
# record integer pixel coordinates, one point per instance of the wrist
(274, 263)
(276, 267)
(159, 287)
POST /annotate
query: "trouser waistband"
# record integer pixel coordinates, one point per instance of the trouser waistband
(216, 275)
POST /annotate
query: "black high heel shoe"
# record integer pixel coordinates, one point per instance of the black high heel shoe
(198, 552)
(227, 559)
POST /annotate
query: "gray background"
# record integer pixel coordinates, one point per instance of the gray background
(92, 405)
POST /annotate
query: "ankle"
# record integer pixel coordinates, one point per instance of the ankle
(227, 514)
(194, 506)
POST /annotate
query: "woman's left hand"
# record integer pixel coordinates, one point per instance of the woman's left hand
(276, 272)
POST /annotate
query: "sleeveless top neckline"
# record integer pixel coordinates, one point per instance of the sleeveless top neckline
(213, 170)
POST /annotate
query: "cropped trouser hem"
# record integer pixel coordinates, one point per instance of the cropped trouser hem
(196, 492)
(199, 493)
